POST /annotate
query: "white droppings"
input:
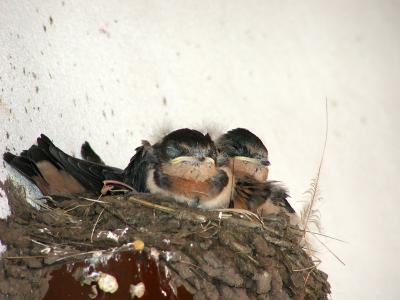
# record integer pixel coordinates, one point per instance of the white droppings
(164, 293)
(107, 283)
(166, 271)
(94, 293)
(46, 230)
(154, 253)
(124, 231)
(116, 235)
(168, 255)
(166, 241)
(45, 250)
(137, 290)
(60, 252)
(3, 248)
(4, 208)
(97, 254)
(99, 257)
(112, 236)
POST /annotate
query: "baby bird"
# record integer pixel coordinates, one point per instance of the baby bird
(247, 157)
(183, 166)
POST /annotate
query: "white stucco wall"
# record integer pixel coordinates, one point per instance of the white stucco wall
(115, 72)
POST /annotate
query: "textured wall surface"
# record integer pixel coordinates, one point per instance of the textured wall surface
(116, 72)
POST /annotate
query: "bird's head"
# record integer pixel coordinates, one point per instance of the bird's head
(188, 154)
(245, 153)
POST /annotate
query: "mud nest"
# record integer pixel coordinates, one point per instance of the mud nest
(212, 254)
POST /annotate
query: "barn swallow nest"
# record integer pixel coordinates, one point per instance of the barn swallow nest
(212, 254)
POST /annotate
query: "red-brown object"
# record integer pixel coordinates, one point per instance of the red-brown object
(128, 268)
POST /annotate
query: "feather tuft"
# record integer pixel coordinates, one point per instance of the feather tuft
(310, 216)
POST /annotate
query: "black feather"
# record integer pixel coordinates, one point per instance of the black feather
(90, 175)
(135, 174)
(279, 196)
(256, 193)
(22, 165)
(89, 154)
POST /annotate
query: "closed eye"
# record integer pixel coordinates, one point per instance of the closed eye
(190, 159)
(246, 160)
(181, 159)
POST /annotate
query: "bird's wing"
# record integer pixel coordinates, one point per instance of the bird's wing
(135, 174)
(55, 171)
(250, 194)
(89, 154)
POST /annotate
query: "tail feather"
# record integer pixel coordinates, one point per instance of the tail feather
(43, 151)
(89, 154)
(22, 164)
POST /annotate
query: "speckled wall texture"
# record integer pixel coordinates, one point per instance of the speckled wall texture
(116, 72)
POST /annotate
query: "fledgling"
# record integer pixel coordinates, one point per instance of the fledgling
(247, 157)
(182, 166)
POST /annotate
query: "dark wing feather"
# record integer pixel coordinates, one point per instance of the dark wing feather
(91, 175)
(22, 164)
(279, 195)
(135, 174)
(251, 193)
(254, 194)
(89, 154)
